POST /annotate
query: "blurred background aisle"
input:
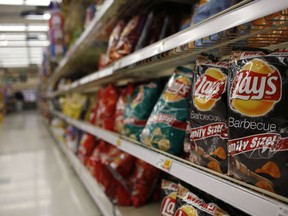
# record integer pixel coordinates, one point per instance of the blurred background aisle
(35, 179)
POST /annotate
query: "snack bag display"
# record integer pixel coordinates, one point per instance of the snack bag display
(86, 147)
(190, 204)
(120, 107)
(113, 39)
(165, 128)
(129, 37)
(208, 116)
(139, 107)
(105, 113)
(258, 119)
(205, 9)
(143, 182)
(187, 143)
(168, 195)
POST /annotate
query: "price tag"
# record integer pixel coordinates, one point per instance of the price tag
(282, 210)
(118, 142)
(164, 164)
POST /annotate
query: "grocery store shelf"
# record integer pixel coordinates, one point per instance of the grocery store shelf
(105, 205)
(89, 182)
(228, 19)
(236, 193)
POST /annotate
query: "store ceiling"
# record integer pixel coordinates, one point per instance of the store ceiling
(23, 39)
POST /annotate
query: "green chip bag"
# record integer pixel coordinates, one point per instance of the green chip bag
(166, 126)
(139, 108)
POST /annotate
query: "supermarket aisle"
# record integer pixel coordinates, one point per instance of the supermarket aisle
(35, 179)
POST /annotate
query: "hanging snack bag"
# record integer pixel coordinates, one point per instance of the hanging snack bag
(208, 115)
(139, 107)
(258, 119)
(166, 125)
(187, 143)
(168, 194)
(190, 204)
(120, 107)
(105, 114)
(143, 182)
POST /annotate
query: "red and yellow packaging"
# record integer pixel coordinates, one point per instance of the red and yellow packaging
(258, 119)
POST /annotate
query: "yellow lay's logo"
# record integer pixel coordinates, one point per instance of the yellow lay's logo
(208, 89)
(256, 88)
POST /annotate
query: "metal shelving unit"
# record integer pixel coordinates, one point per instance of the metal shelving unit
(131, 66)
(248, 198)
(105, 205)
(157, 60)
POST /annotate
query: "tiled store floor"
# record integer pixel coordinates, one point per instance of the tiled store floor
(35, 179)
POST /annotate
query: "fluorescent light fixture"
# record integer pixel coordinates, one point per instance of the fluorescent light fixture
(38, 2)
(24, 43)
(25, 2)
(7, 28)
(11, 2)
(12, 36)
(22, 28)
(45, 16)
(37, 28)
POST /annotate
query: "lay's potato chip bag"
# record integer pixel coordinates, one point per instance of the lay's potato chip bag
(166, 126)
(139, 107)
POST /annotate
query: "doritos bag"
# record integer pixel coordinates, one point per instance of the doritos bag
(139, 107)
(165, 128)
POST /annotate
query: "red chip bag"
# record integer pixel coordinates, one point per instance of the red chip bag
(105, 113)
(120, 107)
(143, 182)
(86, 147)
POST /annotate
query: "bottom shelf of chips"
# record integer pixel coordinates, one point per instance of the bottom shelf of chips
(128, 181)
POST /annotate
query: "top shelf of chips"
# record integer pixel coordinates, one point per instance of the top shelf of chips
(224, 31)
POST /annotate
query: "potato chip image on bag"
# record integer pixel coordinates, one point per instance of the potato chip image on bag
(166, 125)
(138, 109)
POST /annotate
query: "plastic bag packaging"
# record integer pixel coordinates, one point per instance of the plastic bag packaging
(139, 107)
(208, 116)
(258, 138)
(120, 107)
(165, 128)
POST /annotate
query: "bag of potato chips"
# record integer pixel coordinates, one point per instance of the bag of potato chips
(208, 116)
(258, 119)
(166, 126)
(139, 107)
(189, 203)
(168, 195)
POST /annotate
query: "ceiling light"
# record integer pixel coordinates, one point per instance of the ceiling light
(25, 2)
(22, 28)
(8, 28)
(12, 37)
(37, 28)
(38, 17)
(24, 43)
